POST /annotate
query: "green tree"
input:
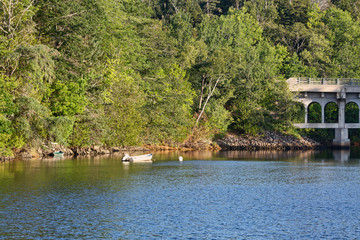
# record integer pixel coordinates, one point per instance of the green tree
(345, 37)
(30, 122)
(123, 123)
(35, 71)
(210, 7)
(16, 29)
(352, 6)
(293, 11)
(260, 94)
(168, 106)
(7, 110)
(318, 55)
(212, 72)
(16, 24)
(59, 129)
(264, 11)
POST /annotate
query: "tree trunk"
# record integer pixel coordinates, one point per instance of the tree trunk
(202, 92)
(207, 100)
(208, 7)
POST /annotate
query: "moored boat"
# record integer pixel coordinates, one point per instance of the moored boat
(58, 154)
(138, 158)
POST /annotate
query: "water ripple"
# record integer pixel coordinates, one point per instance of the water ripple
(189, 200)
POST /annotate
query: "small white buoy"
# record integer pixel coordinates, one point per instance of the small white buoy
(180, 158)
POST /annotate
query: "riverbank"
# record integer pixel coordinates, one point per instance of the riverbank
(266, 141)
(29, 153)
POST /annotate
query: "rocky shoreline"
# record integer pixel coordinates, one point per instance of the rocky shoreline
(70, 152)
(266, 141)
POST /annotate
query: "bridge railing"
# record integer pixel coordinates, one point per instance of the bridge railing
(328, 81)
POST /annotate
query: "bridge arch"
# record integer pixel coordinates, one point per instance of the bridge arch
(331, 112)
(314, 112)
(301, 113)
(352, 112)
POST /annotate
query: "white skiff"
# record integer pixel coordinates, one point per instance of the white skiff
(138, 158)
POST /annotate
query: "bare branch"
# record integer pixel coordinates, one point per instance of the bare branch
(202, 91)
(23, 12)
(2, 29)
(207, 99)
(5, 9)
(16, 66)
(73, 14)
(174, 5)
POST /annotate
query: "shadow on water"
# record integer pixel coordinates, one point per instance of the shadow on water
(306, 156)
(71, 168)
(331, 155)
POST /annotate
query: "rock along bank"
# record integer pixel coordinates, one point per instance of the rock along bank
(265, 141)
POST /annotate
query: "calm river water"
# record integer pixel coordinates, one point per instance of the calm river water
(225, 195)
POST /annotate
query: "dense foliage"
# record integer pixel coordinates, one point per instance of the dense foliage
(135, 72)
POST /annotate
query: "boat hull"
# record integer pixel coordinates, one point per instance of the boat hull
(139, 158)
(58, 154)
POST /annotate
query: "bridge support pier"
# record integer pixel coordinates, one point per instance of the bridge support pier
(341, 137)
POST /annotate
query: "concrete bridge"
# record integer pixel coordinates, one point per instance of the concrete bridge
(323, 91)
